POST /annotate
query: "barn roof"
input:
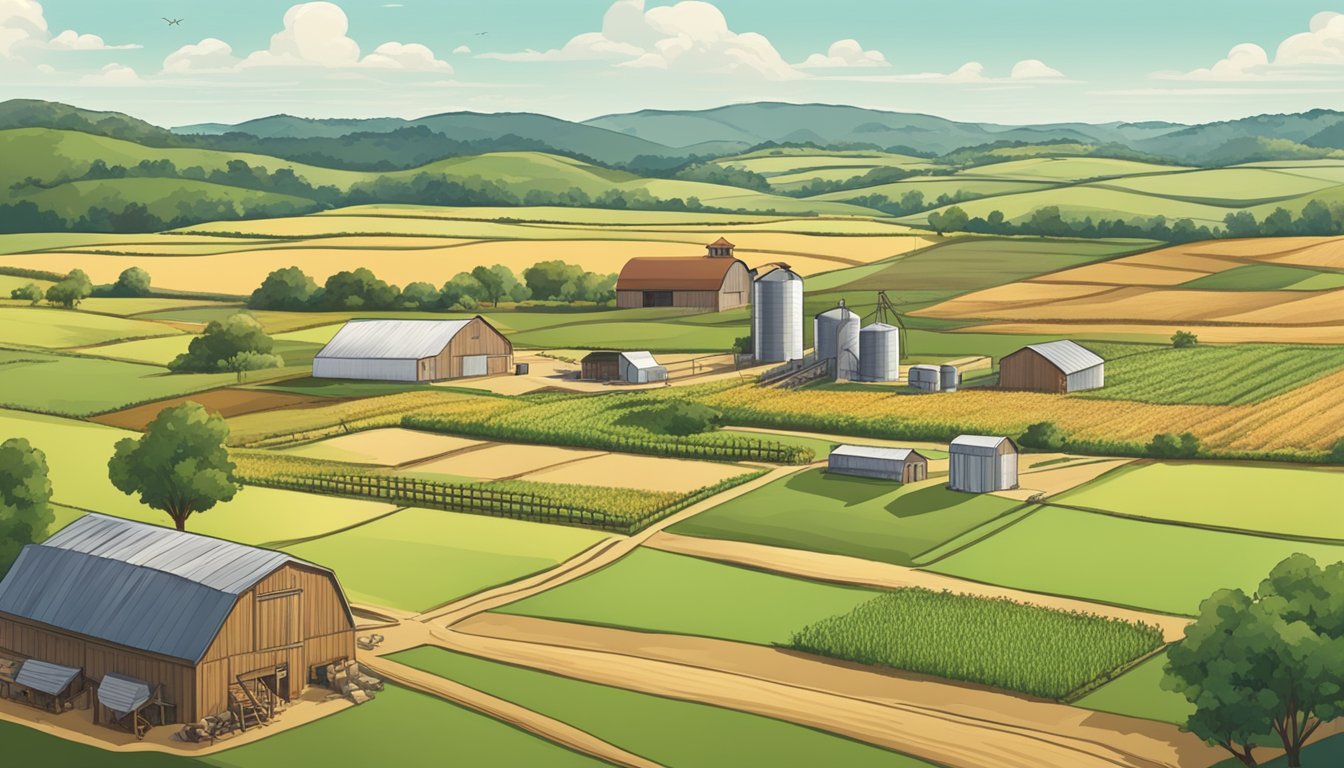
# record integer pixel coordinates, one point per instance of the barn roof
(392, 339)
(982, 444)
(601, 357)
(722, 242)
(137, 585)
(123, 694)
(875, 452)
(1067, 356)
(48, 678)
(640, 360)
(679, 273)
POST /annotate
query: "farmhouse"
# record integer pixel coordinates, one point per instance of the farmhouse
(1056, 366)
(980, 464)
(167, 626)
(903, 465)
(716, 281)
(414, 350)
(630, 367)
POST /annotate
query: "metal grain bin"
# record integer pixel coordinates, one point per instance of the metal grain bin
(835, 335)
(880, 353)
(949, 378)
(926, 378)
(777, 316)
(982, 464)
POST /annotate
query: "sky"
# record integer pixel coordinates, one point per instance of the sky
(1025, 61)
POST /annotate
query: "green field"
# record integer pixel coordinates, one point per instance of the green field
(1268, 277)
(1095, 200)
(652, 726)
(1258, 498)
(854, 516)
(1068, 168)
(1236, 374)
(418, 559)
(995, 642)
(57, 328)
(1161, 567)
(662, 592)
(1138, 693)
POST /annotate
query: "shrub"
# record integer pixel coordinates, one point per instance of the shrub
(680, 417)
(1043, 435)
(74, 288)
(1169, 446)
(237, 344)
(1336, 454)
(132, 282)
(30, 293)
(1184, 340)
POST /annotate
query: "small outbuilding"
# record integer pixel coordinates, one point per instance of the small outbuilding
(641, 368)
(1056, 367)
(414, 350)
(600, 366)
(925, 378)
(981, 464)
(902, 465)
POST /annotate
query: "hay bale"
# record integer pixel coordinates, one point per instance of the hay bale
(358, 696)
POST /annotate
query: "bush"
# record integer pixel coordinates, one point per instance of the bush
(30, 293)
(1168, 446)
(1336, 454)
(1043, 435)
(132, 282)
(1184, 340)
(682, 418)
(74, 288)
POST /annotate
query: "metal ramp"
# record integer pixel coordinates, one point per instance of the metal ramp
(797, 373)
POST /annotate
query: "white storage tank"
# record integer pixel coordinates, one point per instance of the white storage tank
(835, 336)
(926, 378)
(950, 378)
(777, 316)
(880, 353)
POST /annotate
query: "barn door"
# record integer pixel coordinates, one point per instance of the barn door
(279, 620)
(475, 365)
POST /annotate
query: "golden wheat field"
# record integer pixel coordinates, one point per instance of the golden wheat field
(1118, 304)
(1216, 334)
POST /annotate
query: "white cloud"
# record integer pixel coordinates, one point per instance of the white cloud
(410, 56)
(393, 5)
(1316, 54)
(1034, 69)
(113, 74)
(209, 55)
(70, 40)
(315, 35)
(690, 36)
(845, 53)
(21, 23)
(462, 49)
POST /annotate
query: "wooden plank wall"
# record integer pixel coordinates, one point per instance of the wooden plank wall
(1027, 369)
(477, 338)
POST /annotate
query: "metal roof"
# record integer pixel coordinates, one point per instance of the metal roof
(123, 694)
(392, 339)
(878, 328)
(978, 443)
(137, 585)
(48, 678)
(640, 360)
(781, 272)
(875, 452)
(675, 273)
(1067, 356)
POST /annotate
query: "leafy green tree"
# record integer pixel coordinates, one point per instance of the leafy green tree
(72, 289)
(1043, 435)
(463, 291)
(287, 289)
(30, 293)
(179, 465)
(358, 289)
(1277, 224)
(133, 281)
(950, 220)
(546, 279)
(496, 282)
(742, 345)
(1184, 340)
(25, 498)
(246, 361)
(222, 341)
(420, 295)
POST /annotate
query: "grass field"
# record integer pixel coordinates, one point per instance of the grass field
(1265, 498)
(1268, 277)
(662, 592)
(995, 642)
(1138, 693)
(1155, 566)
(57, 328)
(652, 726)
(417, 559)
(858, 517)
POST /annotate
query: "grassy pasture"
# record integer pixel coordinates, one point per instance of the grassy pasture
(1217, 375)
(1000, 643)
(1068, 168)
(854, 516)
(59, 328)
(1266, 498)
(640, 722)
(1155, 566)
(662, 592)
(417, 559)
(1268, 277)
(1095, 200)
(1138, 693)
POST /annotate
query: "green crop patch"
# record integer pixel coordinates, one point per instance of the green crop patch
(995, 642)
(1138, 693)
(1267, 277)
(1215, 375)
(58, 328)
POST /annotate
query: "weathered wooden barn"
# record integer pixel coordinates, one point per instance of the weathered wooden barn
(716, 281)
(630, 367)
(1056, 366)
(981, 464)
(169, 626)
(414, 350)
(902, 465)
(600, 366)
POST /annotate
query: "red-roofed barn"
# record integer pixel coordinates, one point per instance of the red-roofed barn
(717, 281)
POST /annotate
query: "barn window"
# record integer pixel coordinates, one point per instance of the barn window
(657, 298)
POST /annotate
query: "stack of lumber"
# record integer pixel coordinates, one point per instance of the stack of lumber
(353, 681)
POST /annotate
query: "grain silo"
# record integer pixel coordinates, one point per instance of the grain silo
(949, 378)
(777, 316)
(835, 336)
(926, 378)
(880, 353)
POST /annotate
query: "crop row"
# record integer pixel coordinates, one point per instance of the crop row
(992, 641)
(1229, 375)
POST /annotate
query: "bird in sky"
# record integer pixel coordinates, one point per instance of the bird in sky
(478, 34)
(172, 22)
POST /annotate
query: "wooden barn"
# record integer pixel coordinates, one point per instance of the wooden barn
(414, 350)
(1056, 366)
(166, 626)
(716, 281)
(600, 366)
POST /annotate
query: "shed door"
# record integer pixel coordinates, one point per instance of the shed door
(279, 620)
(1008, 471)
(475, 365)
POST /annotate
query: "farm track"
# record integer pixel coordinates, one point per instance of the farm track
(957, 726)
(842, 569)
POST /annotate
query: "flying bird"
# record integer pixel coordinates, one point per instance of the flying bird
(478, 34)
(172, 22)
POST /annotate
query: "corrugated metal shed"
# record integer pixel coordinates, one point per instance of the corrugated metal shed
(896, 464)
(1067, 356)
(984, 445)
(133, 584)
(50, 679)
(392, 339)
(640, 359)
(640, 368)
(873, 452)
(982, 464)
(123, 694)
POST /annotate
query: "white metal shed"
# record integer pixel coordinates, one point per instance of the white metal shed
(641, 368)
(903, 465)
(981, 464)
